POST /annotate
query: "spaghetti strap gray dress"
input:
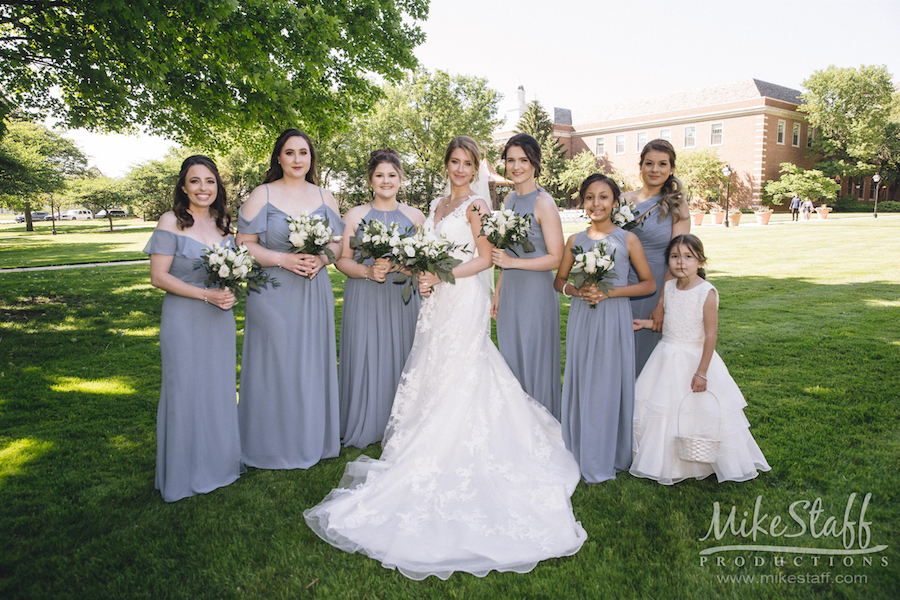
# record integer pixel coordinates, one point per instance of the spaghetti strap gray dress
(288, 409)
(528, 317)
(598, 387)
(377, 332)
(655, 236)
(198, 448)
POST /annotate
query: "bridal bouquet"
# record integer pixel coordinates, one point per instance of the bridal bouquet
(623, 215)
(230, 268)
(503, 228)
(378, 240)
(421, 253)
(591, 267)
(311, 235)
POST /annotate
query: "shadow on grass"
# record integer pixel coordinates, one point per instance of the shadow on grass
(78, 393)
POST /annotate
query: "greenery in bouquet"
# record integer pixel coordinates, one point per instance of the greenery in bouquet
(593, 267)
(310, 234)
(504, 228)
(421, 253)
(233, 268)
(378, 240)
(623, 215)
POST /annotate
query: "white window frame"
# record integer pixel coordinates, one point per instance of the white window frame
(779, 134)
(810, 135)
(600, 146)
(693, 129)
(721, 133)
(665, 134)
(795, 135)
(620, 137)
(640, 144)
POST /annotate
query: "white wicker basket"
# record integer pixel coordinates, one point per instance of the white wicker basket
(695, 448)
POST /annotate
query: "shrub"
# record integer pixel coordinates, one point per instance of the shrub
(889, 206)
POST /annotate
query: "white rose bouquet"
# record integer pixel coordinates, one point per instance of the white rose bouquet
(623, 215)
(503, 228)
(311, 235)
(420, 253)
(378, 240)
(230, 267)
(591, 267)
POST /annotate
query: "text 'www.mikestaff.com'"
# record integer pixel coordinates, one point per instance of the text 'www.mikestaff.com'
(799, 578)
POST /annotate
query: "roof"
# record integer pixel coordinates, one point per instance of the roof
(739, 91)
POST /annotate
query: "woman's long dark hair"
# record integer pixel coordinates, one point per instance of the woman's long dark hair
(275, 171)
(529, 146)
(671, 195)
(181, 203)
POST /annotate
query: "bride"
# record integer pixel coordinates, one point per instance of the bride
(474, 475)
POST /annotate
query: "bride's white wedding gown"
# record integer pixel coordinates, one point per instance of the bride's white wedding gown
(474, 475)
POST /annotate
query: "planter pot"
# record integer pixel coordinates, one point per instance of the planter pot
(762, 218)
(717, 217)
(823, 212)
(697, 218)
(734, 219)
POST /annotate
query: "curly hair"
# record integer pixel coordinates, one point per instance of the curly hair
(181, 203)
(672, 197)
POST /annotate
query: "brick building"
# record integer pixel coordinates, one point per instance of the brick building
(753, 125)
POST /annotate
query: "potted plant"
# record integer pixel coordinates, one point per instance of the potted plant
(698, 210)
(763, 214)
(823, 211)
(734, 217)
(717, 214)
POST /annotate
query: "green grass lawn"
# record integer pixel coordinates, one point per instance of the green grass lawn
(809, 328)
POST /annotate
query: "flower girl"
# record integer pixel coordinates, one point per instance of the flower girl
(668, 390)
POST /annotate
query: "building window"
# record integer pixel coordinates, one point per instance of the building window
(716, 133)
(780, 139)
(795, 138)
(809, 136)
(641, 141)
(620, 144)
(601, 146)
(690, 136)
(665, 134)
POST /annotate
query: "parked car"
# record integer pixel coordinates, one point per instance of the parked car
(115, 213)
(78, 214)
(36, 215)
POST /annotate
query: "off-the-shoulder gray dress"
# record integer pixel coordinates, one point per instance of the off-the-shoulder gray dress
(654, 236)
(528, 316)
(288, 408)
(598, 387)
(377, 332)
(198, 448)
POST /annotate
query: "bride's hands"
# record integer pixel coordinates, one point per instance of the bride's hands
(427, 281)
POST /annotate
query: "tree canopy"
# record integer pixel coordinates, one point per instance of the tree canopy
(575, 171)
(536, 122)
(805, 183)
(190, 69)
(701, 173)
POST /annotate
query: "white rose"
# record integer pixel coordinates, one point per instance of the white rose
(590, 262)
(395, 241)
(224, 271)
(410, 251)
(297, 239)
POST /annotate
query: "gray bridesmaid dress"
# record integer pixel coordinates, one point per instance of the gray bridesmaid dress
(598, 386)
(528, 317)
(288, 408)
(198, 448)
(655, 236)
(377, 332)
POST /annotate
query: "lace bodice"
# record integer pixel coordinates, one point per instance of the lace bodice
(684, 311)
(455, 227)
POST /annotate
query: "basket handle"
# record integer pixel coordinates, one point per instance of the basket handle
(685, 397)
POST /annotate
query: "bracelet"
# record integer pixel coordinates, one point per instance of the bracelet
(278, 261)
(569, 296)
(205, 296)
(366, 274)
(701, 376)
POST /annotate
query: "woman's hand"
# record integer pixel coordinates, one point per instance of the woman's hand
(379, 270)
(698, 383)
(427, 281)
(495, 304)
(305, 264)
(224, 299)
(501, 258)
(657, 317)
(591, 294)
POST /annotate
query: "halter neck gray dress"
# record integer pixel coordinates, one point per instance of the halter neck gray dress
(288, 409)
(598, 387)
(528, 316)
(198, 448)
(377, 332)
(654, 236)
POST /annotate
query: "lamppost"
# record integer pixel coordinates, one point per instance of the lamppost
(726, 171)
(876, 178)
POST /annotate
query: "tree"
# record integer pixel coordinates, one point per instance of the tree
(850, 109)
(576, 170)
(194, 69)
(99, 193)
(150, 184)
(35, 161)
(805, 183)
(536, 122)
(701, 173)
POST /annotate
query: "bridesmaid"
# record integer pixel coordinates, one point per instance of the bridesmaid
(525, 305)
(197, 443)
(664, 214)
(288, 407)
(377, 328)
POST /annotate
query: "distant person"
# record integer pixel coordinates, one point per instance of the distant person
(795, 208)
(807, 209)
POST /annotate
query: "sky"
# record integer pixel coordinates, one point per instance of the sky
(581, 54)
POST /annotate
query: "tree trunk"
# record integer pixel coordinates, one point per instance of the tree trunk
(29, 225)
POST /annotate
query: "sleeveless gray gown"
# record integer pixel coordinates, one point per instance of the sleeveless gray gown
(655, 236)
(377, 332)
(198, 448)
(528, 317)
(598, 387)
(288, 409)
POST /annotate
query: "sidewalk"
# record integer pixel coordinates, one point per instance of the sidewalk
(52, 268)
